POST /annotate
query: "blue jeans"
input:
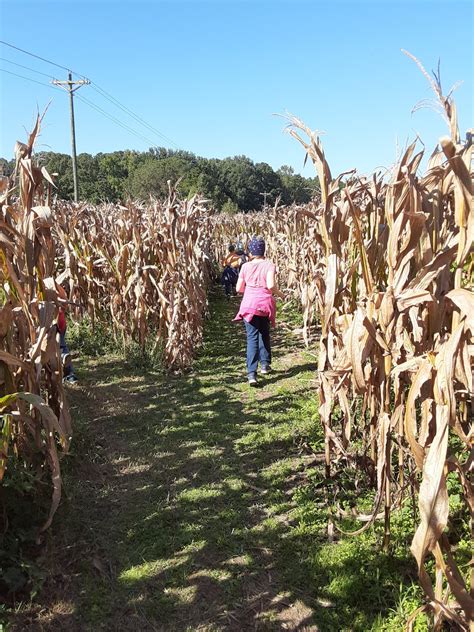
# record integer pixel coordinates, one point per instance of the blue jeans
(63, 343)
(229, 280)
(67, 368)
(258, 343)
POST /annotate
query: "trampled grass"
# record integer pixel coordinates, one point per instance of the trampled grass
(194, 503)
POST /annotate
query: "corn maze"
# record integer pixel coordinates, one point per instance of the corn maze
(382, 268)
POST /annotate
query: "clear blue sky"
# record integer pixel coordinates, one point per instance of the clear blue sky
(210, 75)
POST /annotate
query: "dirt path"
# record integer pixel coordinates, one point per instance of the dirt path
(179, 494)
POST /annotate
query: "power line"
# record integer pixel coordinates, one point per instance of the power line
(45, 85)
(26, 67)
(115, 120)
(130, 112)
(48, 61)
(101, 91)
(90, 103)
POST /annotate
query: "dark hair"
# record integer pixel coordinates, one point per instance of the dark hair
(231, 247)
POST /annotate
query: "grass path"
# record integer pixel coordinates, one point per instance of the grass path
(190, 503)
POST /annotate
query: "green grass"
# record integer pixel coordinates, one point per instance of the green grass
(195, 503)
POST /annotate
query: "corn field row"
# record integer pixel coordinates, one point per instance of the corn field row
(143, 271)
(385, 268)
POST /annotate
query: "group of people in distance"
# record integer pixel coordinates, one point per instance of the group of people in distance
(251, 274)
(246, 272)
(232, 264)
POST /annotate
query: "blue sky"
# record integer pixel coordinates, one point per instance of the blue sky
(210, 75)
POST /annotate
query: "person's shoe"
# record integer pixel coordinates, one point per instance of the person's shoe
(252, 378)
(71, 379)
(265, 370)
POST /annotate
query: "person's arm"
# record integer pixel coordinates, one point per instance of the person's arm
(240, 287)
(272, 285)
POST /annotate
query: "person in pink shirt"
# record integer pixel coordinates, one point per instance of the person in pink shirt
(257, 309)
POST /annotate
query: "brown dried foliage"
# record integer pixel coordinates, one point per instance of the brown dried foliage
(387, 268)
(145, 268)
(35, 416)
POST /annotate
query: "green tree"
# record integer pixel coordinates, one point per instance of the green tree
(87, 174)
(230, 207)
(234, 182)
(240, 182)
(296, 188)
(6, 166)
(270, 185)
(114, 169)
(151, 177)
(61, 165)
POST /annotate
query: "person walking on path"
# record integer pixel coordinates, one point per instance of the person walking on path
(258, 309)
(61, 325)
(231, 271)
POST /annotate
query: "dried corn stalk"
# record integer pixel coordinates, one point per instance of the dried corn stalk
(30, 360)
(145, 268)
(387, 268)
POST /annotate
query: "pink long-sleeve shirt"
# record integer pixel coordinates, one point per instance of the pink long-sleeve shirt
(258, 299)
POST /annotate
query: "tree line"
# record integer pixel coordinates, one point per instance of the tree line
(232, 184)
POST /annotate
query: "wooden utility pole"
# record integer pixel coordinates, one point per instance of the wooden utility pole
(71, 87)
(265, 193)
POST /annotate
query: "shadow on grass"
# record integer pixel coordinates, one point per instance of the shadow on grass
(180, 504)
